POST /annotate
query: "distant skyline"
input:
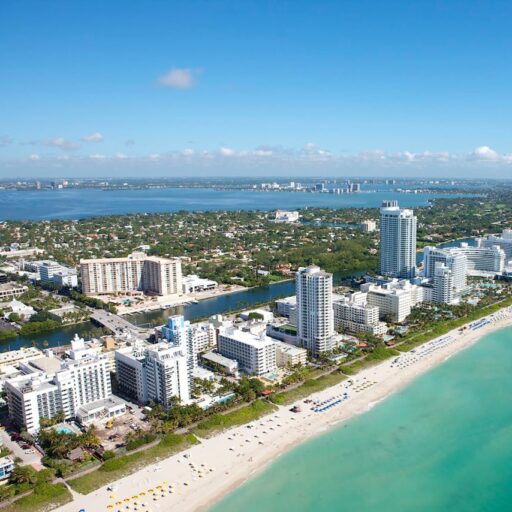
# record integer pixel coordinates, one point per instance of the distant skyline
(255, 88)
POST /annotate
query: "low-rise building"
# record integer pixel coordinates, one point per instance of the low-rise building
(6, 467)
(290, 355)
(11, 290)
(14, 357)
(101, 411)
(218, 362)
(286, 216)
(194, 284)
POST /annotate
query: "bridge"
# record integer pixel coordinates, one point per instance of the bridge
(117, 324)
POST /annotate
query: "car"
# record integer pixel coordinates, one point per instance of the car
(29, 451)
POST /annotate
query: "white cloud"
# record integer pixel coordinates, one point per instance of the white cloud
(179, 78)
(61, 143)
(121, 156)
(97, 156)
(187, 152)
(485, 153)
(93, 137)
(34, 157)
(226, 151)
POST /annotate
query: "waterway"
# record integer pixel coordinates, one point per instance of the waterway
(77, 203)
(221, 304)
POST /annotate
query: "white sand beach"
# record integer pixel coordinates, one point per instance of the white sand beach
(195, 479)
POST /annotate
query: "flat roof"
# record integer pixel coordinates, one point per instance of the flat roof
(105, 403)
(247, 337)
(220, 359)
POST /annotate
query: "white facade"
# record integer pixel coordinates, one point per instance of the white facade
(255, 355)
(314, 315)
(355, 316)
(76, 382)
(286, 216)
(158, 372)
(368, 226)
(444, 288)
(454, 259)
(394, 299)
(194, 284)
(397, 241)
(485, 259)
(504, 242)
(151, 274)
(286, 305)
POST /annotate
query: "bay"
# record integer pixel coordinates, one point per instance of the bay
(78, 203)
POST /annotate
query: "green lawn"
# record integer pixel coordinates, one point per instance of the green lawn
(218, 422)
(44, 498)
(116, 468)
(307, 388)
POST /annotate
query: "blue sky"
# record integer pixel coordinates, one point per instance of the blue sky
(255, 87)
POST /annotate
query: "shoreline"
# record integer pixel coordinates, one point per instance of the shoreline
(238, 454)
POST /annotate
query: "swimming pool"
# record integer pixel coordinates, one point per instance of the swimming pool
(64, 430)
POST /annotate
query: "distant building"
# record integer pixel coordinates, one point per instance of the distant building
(314, 315)
(397, 241)
(150, 274)
(22, 310)
(52, 272)
(255, 355)
(368, 226)
(287, 306)
(453, 259)
(286, 216)
(503, 242)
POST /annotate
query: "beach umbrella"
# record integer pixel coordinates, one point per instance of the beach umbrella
(110, 506)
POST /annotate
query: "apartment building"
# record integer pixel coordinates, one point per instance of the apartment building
(354, 314)
(150, 274)
(289, 355)
(255, 354)
(314, 315)
(397, 241)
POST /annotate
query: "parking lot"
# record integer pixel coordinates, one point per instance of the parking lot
(28, 456)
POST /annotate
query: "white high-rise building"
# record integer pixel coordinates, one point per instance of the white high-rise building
(160, 276)
(397, 241)
(158, 372)
(444, 289)
(504, 242)
(484, 259)
(453, 259)
(255, 354)
(198, 337)
(51, 386)
(314, 314)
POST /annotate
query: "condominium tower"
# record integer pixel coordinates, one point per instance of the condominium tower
(397, 241)
(150, 274)
(314, 314)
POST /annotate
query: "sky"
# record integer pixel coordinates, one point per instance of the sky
(255, 88)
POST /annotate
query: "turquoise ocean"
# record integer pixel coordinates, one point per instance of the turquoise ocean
(444, 443)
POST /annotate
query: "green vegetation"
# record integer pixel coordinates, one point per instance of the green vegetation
(45, 497)
(246, 414)
(118, 467)
(140, 441)
(308, 387)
